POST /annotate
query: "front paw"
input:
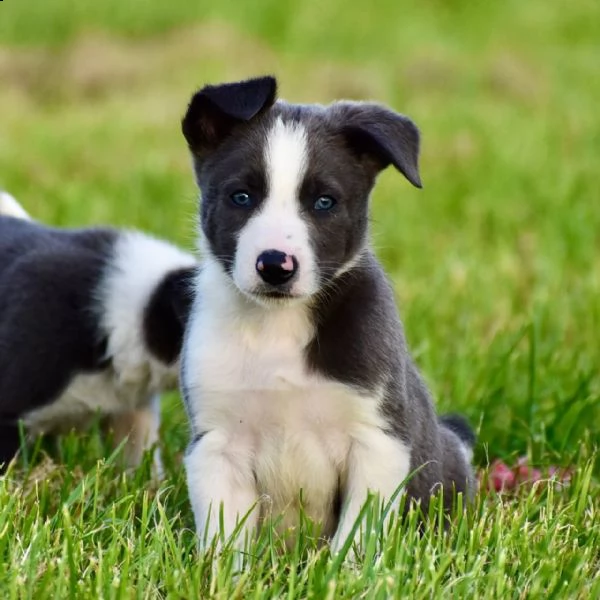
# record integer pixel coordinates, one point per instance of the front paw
(348, 556)
(346, 543)
(224, 556)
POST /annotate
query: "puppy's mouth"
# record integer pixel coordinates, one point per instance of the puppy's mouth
(275, 295)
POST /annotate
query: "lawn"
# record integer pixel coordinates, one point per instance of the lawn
(496, 266)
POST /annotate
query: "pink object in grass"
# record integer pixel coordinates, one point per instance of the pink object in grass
(525, 473)
(562, 475)
(500, 477)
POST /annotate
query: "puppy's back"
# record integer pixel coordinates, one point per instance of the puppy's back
(48, 330)
(20, 238)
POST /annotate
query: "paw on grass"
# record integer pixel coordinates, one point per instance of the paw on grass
(503, 478)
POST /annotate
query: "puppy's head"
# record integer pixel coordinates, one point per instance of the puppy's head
(285, 187)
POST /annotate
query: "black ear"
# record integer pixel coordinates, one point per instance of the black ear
(167, 313)
(215, 109)
(381, 135)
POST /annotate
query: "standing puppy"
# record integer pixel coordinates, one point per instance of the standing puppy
(295, 370)
(91, 321)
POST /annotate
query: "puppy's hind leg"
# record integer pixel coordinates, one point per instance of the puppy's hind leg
(139, 428)
(9, 444)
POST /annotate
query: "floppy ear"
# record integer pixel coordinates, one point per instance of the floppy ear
(216, 109)
(380, 135)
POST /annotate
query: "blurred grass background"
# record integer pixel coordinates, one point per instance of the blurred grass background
(496, 262)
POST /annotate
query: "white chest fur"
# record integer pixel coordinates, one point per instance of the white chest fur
(246, 377)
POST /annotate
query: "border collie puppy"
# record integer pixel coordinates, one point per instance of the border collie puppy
(295, 371)
(91, 321)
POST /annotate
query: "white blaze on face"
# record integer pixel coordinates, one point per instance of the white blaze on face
(278, 224)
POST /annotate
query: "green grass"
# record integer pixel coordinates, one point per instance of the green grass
(496, 264)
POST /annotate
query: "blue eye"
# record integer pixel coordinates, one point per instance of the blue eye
(242, 199)
(324, 203)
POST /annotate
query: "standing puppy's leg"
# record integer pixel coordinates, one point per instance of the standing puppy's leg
(222, 487)
(140, 429)
(377, 463)
(9, 444)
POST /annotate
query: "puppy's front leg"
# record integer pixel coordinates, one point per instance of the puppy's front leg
(221, 483)
(377, 463)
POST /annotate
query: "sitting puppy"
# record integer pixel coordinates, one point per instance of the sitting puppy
(91, 321)
(295, 371)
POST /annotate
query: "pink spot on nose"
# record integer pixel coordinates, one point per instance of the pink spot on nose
(288, 263)
(260, 265)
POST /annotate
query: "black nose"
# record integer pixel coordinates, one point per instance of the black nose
(276, 267)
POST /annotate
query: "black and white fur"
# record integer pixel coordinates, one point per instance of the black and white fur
(303, 388)
(91, 321)
(9, 207)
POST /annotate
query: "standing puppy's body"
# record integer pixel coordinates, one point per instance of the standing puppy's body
(91, 321)
(295, 370)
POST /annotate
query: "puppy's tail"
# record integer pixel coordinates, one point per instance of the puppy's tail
(458, 425)
(9, 207)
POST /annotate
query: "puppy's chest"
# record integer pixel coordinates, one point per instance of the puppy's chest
(296, 425)
(256, 378)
